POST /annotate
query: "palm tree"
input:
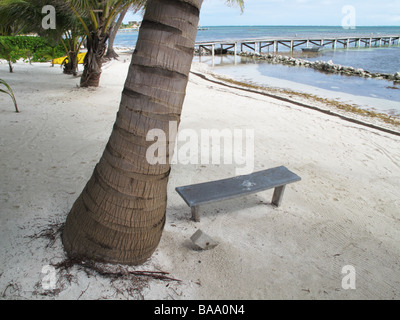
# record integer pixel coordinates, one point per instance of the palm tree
(101, 15)
(111, 54)
(50, 53)
(120, 214)
(72, 40)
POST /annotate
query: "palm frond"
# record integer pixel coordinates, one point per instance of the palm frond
(101, 14)
(10, 93)
(28, 15)
(240, 3)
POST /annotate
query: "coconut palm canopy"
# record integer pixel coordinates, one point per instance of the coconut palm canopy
(25, 16)
(75, 20)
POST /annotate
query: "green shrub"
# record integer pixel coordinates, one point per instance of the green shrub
(36, 49)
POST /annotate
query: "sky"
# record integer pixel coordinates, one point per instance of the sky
(298, 12)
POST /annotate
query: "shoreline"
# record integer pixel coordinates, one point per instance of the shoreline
(255, 74)
(387, 110)
(343, 212)
(351, 111)
(323, 66)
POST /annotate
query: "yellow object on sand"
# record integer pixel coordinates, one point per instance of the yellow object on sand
(60, 60)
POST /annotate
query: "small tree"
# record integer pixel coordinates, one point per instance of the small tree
(9, 53)
(50, 53)
(100, 18)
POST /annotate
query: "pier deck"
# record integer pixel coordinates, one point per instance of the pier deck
(258, 45)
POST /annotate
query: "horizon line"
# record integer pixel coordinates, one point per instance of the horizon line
(297, 25)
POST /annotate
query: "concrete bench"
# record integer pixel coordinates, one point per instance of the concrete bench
(203, 193)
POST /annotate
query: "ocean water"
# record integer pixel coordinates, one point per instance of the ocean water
(128, 39)
(380, 95)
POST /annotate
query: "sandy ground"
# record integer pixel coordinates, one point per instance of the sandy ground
(344, 212)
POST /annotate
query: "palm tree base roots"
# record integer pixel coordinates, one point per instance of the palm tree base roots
(90, 80)
(86, 239)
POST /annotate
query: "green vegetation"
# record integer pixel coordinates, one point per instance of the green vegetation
(36, 49)
(76, 21)
(25, 16)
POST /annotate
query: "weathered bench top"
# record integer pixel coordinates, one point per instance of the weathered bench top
(198, 194)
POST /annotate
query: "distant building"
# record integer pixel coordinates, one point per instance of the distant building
(134, 23)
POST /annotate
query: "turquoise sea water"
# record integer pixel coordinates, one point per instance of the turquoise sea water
(128, 39)
(363, 91)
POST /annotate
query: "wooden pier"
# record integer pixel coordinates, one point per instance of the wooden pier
(262, 45)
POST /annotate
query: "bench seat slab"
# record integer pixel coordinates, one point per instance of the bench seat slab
(203, 193)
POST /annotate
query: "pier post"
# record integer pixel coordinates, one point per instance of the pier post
(213, 54)
(235, 53)
(275, 46)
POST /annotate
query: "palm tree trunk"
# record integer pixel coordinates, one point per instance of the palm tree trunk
(111, 54)
(120, 215)
(10, 67)
(71, 66)
(96, 45)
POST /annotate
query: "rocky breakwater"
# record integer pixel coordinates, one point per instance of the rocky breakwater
(323, 66)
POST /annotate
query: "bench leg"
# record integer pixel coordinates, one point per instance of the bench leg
(195, 213)
(278, 195)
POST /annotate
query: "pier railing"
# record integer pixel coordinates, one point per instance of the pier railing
(258, 45)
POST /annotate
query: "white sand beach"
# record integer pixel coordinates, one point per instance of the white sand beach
(344, 212)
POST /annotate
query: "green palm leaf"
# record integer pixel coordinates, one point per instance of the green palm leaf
(10, 93)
